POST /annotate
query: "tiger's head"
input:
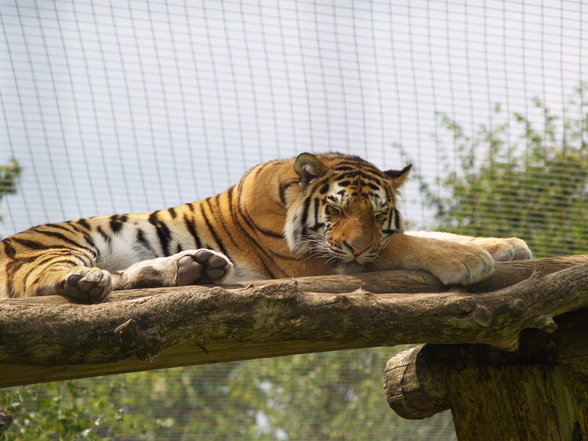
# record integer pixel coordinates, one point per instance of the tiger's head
(345, 211)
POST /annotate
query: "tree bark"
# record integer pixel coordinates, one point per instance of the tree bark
(424, 380)
(539, 392)
(44, 339)
(523, 403)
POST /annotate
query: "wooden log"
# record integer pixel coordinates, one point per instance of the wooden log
(376, 282)
(401, 281)
(416, 379)
(167, 327)
(539, 391)
(523, 403)
(510, 273)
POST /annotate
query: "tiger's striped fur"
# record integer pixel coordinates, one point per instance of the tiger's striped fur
(312, 215)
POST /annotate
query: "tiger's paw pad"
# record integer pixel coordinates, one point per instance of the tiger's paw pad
(202, 266)
(87, 284)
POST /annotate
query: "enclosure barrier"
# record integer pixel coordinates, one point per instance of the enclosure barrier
(508, 355)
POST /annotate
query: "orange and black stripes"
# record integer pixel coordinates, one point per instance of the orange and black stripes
(260, 224)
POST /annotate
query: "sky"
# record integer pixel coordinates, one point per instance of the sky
(132, 106)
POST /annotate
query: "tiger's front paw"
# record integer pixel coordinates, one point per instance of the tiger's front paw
(511, 248)
(463, 266)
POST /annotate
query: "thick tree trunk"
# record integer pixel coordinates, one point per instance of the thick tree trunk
(44, 339)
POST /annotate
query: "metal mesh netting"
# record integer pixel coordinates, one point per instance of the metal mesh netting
(111, 107)
(134, 106)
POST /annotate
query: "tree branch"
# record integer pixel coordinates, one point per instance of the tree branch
(44, 339)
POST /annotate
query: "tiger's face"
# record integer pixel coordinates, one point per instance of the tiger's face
(345, 211)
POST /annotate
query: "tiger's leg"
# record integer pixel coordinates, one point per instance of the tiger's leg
(452, 263)
(56, 271)
(64, 273)
(511, 248)
(185, 268)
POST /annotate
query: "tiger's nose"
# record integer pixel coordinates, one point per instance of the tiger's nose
(356, 248)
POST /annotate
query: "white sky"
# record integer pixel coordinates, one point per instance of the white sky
(131, 106)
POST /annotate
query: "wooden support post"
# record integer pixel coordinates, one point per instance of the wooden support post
(519, 403)
(539, 392)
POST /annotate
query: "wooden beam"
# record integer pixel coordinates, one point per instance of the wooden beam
(45, 339)
(377, 282)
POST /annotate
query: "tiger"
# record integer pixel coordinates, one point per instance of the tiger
(315, 214)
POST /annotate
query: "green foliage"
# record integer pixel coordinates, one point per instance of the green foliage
(331, 396)
(192, 403)
(9, 174)
(518, 178)
(72, 410)
(334, 396)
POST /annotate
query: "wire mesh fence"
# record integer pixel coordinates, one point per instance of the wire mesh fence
(111, 107)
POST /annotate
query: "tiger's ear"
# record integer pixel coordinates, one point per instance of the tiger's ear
(399, 176)
(308, 167)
